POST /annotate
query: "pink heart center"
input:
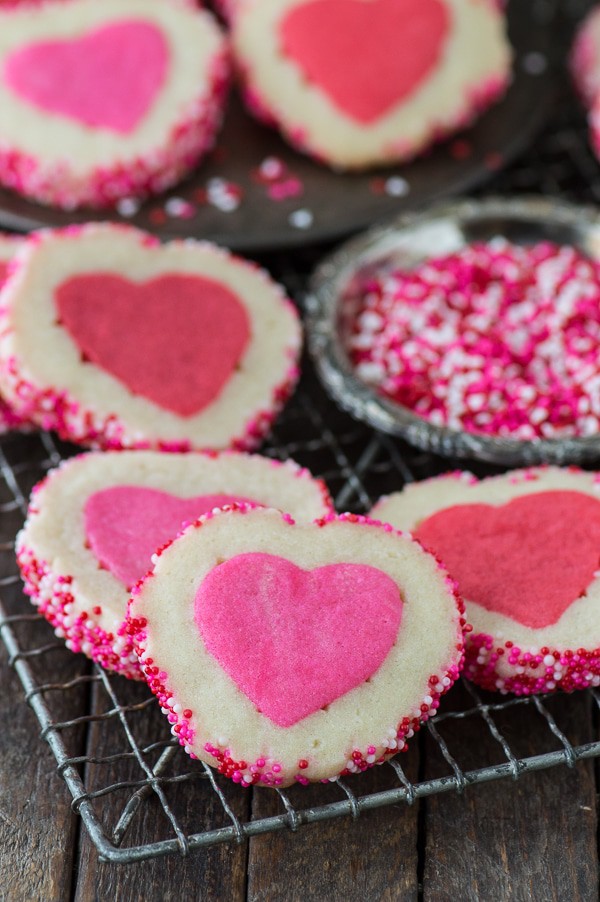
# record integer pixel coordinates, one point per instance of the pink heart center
(107, 78)
(175, 340)
(294, 640)
(125, 525)
(3, 272)
(367, 55)
(529, 559)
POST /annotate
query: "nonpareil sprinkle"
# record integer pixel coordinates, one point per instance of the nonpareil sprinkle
(497, 339)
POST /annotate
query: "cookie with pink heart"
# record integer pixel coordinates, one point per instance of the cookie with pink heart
(293, 653)
(358, 83)
(95, 522)
(585, 70)
(524, 549)
(115, 340)
(9, 246)
(100, 101)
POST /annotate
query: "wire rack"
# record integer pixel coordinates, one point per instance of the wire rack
(137, 792)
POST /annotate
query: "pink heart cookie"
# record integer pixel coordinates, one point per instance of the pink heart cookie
(130, 343)
(126, 524)
(190, 334)
(525, 551)
(9, 246)
(106, 78)
(252, 613)
(359, 83)
(349, 48)
(117, 509)
(290, 653)
(104, 101)
(545, 546)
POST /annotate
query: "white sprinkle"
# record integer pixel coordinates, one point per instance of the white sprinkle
(396, 186)
(538, 415)
(272, 167)
(370, 371)
(301, 219)
(177, 206)
(128, 206)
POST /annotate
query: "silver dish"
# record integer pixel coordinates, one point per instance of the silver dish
(405, 242)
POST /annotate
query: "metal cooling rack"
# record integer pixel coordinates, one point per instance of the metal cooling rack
(137, 792)
(114, 749)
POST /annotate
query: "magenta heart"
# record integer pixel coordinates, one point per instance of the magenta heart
(529, 559)
(367, 56)
(107, 78)
(175, 340)
(294, 640)
(125, 525)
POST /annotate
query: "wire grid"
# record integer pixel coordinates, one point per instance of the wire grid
(114, 749)
(137, 792)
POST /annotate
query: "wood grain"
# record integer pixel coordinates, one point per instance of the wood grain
(374, 857)
(529, 840)
(218, 872)
(37, 826)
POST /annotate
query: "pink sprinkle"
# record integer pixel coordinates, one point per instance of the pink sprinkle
(289, 187)
(495, 339)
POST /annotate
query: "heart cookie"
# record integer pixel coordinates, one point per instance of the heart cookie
(357, 83)
(104, 101)
(9, 246)
(95, 522)
(293, 653)
(524, 549)
(585, 70)
(175, 347)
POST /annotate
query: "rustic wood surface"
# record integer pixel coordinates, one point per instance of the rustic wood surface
(530, 839)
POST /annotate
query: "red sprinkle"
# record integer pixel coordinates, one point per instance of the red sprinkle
(495, 339)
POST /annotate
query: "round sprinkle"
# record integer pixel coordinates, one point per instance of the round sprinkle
(128, 206)
(301, 219)
(495, 339)
(396, 186)
(534, 63)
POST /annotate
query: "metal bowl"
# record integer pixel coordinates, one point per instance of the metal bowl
(406, 242)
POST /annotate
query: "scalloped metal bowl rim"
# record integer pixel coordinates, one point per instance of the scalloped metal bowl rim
(362, 401)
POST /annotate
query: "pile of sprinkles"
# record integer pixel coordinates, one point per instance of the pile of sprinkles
(495, 339)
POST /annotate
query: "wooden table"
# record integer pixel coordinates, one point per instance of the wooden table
(530, 839)
(533, 839)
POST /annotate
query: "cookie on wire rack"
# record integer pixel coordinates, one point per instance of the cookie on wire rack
(358, 83)
(287, 653)
(585, 69)
(524, 549)
(94, 523)
(101, 101)
(114, 340)
(9, 246)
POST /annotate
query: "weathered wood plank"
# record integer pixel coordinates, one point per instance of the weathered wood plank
(374, 857)
(530, 839)
(218, 872)
(37, 826)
